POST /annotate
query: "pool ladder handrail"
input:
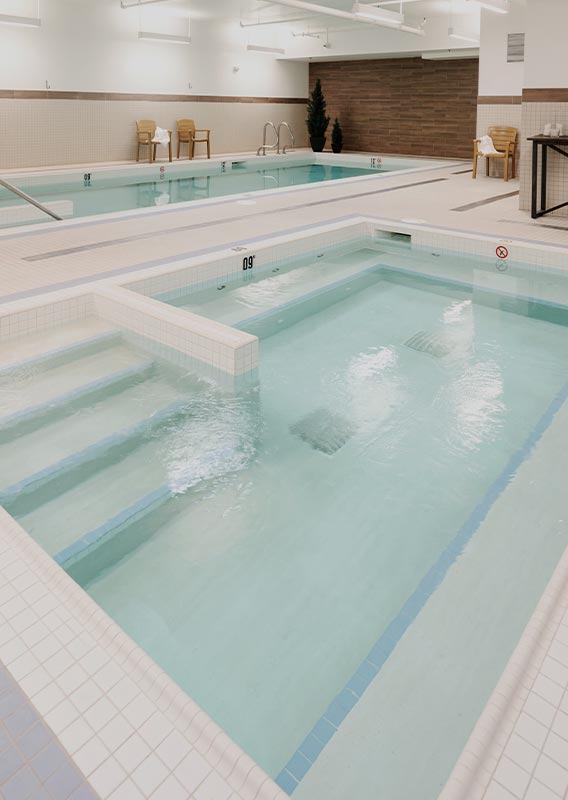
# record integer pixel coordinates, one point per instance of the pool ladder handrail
(289, 129)
(264, 147)
(29, 199)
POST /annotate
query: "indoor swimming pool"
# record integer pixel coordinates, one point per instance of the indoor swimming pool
(103, 191)
(276, 548)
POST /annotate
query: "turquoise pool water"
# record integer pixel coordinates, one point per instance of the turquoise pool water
(259, 544)
(102, 194)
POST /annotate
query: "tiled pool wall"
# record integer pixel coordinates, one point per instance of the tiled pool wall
(115, 711)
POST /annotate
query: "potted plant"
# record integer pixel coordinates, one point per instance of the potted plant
(317, 121)
(336, 137)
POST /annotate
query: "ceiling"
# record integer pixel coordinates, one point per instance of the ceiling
(268, 9)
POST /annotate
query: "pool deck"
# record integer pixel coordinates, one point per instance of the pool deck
(116, 734)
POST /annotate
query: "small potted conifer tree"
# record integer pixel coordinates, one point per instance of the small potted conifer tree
(317, 121)
(336, 137)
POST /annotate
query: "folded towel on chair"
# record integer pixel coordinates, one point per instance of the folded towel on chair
(161, 136)
(486, 146)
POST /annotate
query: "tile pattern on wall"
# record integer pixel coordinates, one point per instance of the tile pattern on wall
(403, 105)
(89, 131)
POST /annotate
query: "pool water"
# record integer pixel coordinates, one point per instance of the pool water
(259, 543)
(101, 195)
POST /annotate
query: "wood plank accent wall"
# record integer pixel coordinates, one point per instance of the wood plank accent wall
(402, 105)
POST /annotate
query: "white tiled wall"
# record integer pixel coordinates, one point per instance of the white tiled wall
(48, 132)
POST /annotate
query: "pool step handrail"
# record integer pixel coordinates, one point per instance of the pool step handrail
(29, 199)
(289, 129)
(264, 147)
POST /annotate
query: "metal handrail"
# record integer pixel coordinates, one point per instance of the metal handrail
(289, 129)
(264, 147)
(29, 199)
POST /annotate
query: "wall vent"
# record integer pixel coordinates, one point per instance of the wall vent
(515, 47)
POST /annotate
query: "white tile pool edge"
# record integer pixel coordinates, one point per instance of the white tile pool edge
(101, 690)
(474, 775)
(32, 575)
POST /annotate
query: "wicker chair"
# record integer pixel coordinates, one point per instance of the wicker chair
(187, 134)
(145, 130)
(505, 141)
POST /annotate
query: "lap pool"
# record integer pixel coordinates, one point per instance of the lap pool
(277, 548)
(73, 193)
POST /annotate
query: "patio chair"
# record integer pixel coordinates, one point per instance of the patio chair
(505, 142)
(188, 134)
(145, 130)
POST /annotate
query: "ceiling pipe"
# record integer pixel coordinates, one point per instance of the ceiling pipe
(137, 3)
(272, 21)
(318, 10)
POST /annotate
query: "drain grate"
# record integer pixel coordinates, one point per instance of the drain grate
(323, 430)
(431, 342)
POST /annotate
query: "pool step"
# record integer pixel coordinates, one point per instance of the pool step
(87, 544)
(54, 346)
(68, 445)
(61, 518)
(280, 317)
(32, 416)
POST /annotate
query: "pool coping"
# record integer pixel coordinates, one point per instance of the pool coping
(31, 573)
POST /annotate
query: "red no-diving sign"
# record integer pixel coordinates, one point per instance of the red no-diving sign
(502, 252)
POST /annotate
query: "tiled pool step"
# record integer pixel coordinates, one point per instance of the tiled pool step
(31, 417)
(86, 545)
(91, 453)
(56, 347)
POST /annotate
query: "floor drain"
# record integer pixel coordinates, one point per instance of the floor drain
(323, 430)
(431, 343)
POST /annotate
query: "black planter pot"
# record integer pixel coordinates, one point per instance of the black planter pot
(317, 143)
(337, 148)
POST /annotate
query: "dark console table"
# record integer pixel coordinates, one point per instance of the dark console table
(545, 143)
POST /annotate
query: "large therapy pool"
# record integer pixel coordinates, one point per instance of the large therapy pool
(272, 547)
(102, 191)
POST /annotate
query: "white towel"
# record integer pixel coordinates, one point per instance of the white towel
(161, 136)
(486, 146)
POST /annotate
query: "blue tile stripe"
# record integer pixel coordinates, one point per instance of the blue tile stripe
(326, 727)
(81, 393)
(67, 352)
(94, 451)
(87, 543)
